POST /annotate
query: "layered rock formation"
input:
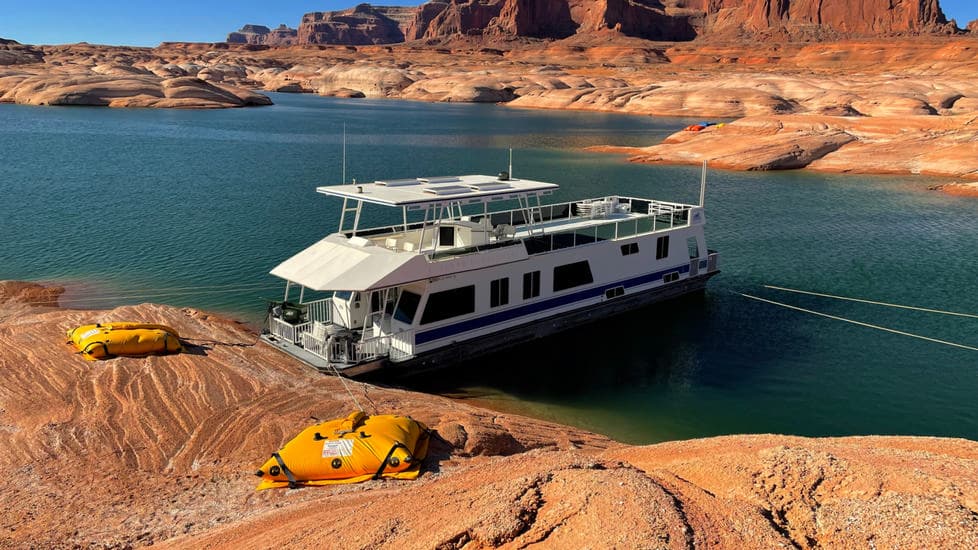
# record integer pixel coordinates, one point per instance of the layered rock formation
(816, 19)
(363, 24)
(14, 53)
(134, 452)
(262, 35)
(82, 74)
(939, 146)
(662, 20)
(119, 87)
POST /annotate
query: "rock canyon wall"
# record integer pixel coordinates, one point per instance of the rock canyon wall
(662, 20)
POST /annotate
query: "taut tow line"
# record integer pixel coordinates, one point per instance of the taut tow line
(846, 298)
(860, 323)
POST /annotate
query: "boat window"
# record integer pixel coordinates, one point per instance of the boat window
(407, 306)
(614, 292)
(499, 292)
(343, 295)
(662, 247)
(572, 275)
(670, 277)
(694, 247)
(449, 303)
(537, 245)
(446, 235)
(531, 285)
(628, 249)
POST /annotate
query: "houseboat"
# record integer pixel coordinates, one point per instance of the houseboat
(476, 264)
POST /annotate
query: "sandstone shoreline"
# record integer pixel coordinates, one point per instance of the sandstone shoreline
(132, 452)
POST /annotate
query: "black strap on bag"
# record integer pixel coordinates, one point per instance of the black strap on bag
(390, 453)
(285, 469)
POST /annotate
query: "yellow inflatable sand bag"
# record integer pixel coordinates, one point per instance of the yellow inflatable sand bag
(103, 341)
(349, 450)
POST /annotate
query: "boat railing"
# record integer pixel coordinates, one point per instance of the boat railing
(613, 230)
(517, 217)
(344, 350)
(661, 217)
(288, 331)
(712, 261)
(319, 310)
(402, 345)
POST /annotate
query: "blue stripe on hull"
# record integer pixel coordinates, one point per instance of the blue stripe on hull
(537, 307)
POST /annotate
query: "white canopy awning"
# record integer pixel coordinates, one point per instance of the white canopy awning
(335, 263)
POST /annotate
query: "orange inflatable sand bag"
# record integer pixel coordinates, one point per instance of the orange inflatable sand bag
(104, 341)
(349, 450)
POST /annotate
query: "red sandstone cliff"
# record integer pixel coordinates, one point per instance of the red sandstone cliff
(360, 25)
(262, 35)
(823, 18)
(442, 18)
(662, 20)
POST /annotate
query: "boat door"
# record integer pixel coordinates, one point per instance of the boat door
(348, 309)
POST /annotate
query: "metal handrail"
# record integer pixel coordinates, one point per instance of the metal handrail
(402, 345)
(319, 310)
(655, 207)
(288, 331)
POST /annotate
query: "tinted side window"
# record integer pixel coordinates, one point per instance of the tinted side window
(499, 292)
(571, 275)
(449, 303)
(531, 285)
(662, 247)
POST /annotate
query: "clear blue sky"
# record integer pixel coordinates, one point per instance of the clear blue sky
(149, 22)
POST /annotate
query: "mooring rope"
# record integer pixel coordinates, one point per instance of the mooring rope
(834, 297)
(346, 386)
(860, 323)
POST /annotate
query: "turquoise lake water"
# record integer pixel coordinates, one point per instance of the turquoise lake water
(193, 208)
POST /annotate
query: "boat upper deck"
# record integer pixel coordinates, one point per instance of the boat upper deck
(461, 218)
(416, 193)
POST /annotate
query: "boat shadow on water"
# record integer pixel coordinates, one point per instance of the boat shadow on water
(646, 346)
(705, 339)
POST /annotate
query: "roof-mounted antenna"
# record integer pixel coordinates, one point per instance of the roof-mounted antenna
(703, 185)
(344, 153)
(511, 162)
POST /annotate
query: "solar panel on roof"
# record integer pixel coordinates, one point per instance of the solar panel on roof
(489, 186)
(442, 179)
(399, 183)
(447, 190)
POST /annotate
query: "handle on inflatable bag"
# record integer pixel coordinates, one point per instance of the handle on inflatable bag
(352, 422)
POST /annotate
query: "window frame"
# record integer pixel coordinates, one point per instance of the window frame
(499, 292)
(662, 247)
(458, 302)
(565, 278)
(531, 290)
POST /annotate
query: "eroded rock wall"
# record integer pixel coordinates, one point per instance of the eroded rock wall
(360, 25)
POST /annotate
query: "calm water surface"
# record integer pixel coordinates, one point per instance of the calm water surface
(192, 208)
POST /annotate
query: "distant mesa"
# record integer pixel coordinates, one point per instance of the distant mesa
(660, 20)
(363, 24)
(263, 36)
